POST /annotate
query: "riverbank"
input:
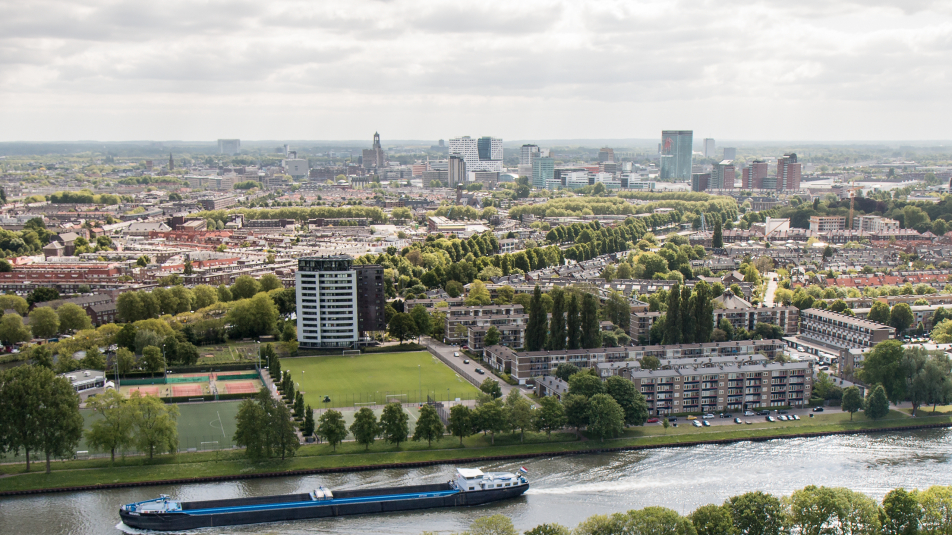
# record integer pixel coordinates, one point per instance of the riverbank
(316, 459)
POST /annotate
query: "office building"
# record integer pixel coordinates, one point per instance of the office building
(700, 181)
(723, 175)
(488, 179)
(483, 154)
(788, 173)
(730, 153)
(874, 224)
(374, 157)
(229, 146)
(526, 155)
(543, 171)
(827, 223)
(754, 174)
(709, 147)
(677, 154)
(297, 167)
(337, 300)
(606, 155)
(456, 170)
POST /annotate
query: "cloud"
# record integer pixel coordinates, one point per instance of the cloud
(423, 69)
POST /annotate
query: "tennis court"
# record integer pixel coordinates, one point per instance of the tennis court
(145, 390)
(241, 387)
(187, 390)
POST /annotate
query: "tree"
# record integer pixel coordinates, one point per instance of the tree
(606, 417)
(428, 426)
(19, 304)
(936, 502)
(299, 405)
(650, 362)
(879, 313)
(537, 324)
(521, 415)
(492, 336)
(253, 317)
(883, 365)
(152, 359)
(852, 400)
(224, 293)
(590, 328)
(687, 316)
(556, 340)
(125, 360)
(550, 416)
(877, 403)
(205, 296)
(421, 318)
(585, 384)
(12, 329)
(394, 424)
(331, 427)
(712, 520)
(901, 317)
(492, 525)
(461, 422)
(59, 423)
(307, 428)
(402, 326)
(504, 295)
(549, 529)
(454, 288)
(491, 418)
(901, 513)
(44, 322)
(245, 287)
(576, 411)
(365, 428)
(565, 370)
(268, 282)
(491, 387)
(672, 320)
(651, 520)
(573, 325)
(126, 337)
(478, 294)
(631, 401)
(718, 240)
(756, 513)
(72, 318)
(155, 427)
(42, 295)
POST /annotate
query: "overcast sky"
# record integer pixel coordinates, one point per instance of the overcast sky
(275, 69)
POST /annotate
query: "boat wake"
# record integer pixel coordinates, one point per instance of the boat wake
(613, 486)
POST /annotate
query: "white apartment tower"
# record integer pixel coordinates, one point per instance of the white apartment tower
(482, 154)
(337, 300)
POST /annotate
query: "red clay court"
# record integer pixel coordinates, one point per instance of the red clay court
(187, 390)
(240, 387)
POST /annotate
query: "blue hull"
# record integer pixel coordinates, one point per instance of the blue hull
(216, 513)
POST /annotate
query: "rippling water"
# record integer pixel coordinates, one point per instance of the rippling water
(564, 489)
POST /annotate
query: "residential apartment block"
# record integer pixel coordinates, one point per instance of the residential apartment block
(874, 223)
(460, 319)
(742, 314)
(822, 330)
(827, 223)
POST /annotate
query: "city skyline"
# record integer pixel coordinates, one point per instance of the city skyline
(85, 70)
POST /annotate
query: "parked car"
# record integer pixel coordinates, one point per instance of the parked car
(465, 361)
(707, 416)
(672, 418)
(653, 420)
(782, 418)
(763, 413)
(748, 413)
(465, 347)
(783, 411)
(726, 415)
(770, 419)
(747, 422)
(456, 353)
(817, 409)
(692, 417)
(706, 423)
(696, 423)
(795, 417)
(480, 371)
(738, 421)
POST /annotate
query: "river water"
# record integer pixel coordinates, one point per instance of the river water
(563, 489)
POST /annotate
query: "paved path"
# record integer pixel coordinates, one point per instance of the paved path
(469, 370)
(771, 288)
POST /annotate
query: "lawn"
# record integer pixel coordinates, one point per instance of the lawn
(359, 380)
(206, 426)
(229, 353)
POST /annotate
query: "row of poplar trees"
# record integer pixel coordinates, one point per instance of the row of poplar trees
(574, 323)
(689, 318)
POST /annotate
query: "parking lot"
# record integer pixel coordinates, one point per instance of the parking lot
(756, 417)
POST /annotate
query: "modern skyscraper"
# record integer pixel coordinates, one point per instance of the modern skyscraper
(606, 155)
(700, 181)
(788, 173)
(723, 175)
(483, 154)
(730, 153)
(526, 155)
(336, 301)
(677, 154)
(709, 147)
(543, 169)
(456, 171)
(229, 146)
(752, 177)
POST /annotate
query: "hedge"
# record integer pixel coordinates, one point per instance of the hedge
(210, 397)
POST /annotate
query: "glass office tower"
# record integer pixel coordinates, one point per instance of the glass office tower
(677, 148)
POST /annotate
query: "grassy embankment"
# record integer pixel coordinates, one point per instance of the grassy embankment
(199, 465)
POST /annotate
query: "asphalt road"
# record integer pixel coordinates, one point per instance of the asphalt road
(771, 288)
(468, 369)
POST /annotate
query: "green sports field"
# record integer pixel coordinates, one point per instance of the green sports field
(354, 380)
(201, 425)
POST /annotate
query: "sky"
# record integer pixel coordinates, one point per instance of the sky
(809, 70)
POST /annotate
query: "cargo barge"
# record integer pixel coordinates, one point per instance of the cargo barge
(470, 487)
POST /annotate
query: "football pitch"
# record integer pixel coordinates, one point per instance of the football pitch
(206, 426)
(377, 378)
